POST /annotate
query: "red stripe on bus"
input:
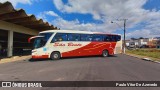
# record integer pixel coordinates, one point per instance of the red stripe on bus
(94, 48)
(41, 56)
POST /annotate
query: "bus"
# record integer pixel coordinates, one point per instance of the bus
(56, 44)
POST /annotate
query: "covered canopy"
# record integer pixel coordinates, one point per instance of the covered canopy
(19, 17)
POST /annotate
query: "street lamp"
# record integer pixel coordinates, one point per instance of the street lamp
(124, 41)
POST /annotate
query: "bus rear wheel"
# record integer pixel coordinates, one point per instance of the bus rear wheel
(105, 53)
(55, 56)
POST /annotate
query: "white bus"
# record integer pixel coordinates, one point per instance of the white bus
(56, 44)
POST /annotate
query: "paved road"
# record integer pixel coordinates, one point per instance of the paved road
(117, 68)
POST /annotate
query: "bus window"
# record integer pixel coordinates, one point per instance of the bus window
(59, 37)
(106, 38)
(46, 36)
(111, 38)
(86, 37)
(97, 38)
(118, 38)
(73, 37)
(115, 38)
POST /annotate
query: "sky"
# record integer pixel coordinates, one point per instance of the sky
(143, 16)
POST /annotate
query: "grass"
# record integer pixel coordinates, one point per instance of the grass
(154, 53)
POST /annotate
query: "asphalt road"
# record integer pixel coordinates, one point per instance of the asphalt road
(117, 68)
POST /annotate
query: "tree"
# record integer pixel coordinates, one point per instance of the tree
(141, 38)
(132, 38)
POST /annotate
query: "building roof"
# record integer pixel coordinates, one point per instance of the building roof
(9, 14)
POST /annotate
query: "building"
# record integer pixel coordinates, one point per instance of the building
(136, 43)
(154, 42)
(144, 42)
(16, 27)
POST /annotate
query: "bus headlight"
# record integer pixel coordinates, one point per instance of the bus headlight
(33, 51)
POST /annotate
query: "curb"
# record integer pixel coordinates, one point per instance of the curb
(145, 59)
(14, 59)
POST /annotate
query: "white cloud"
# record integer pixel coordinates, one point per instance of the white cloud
(43, 15)
(15, 2)
(76, 25)
(51, 13)
(107, 10)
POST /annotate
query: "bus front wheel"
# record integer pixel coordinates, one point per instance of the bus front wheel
(55, 56)
(105, 53)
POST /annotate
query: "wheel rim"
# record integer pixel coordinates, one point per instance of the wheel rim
(55, 56)
(105, 53)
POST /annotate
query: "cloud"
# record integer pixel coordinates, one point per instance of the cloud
(107, 10)
(43, 15)
(15, 2)
(51, 13)
(101, 9)
(76, 25)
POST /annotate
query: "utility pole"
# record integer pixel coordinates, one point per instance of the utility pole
(124, 38)
(124, 42)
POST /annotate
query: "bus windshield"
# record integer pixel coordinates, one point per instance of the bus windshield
(41, 40)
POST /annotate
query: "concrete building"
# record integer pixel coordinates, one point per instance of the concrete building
(143, 41)
(16, 27)
(137, 42)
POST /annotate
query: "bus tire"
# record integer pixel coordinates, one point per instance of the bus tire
(55, 56)
(105, 53)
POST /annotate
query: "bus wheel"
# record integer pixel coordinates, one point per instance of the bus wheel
(105, 53)
(55, 56)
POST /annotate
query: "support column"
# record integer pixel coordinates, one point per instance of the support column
(10, 43)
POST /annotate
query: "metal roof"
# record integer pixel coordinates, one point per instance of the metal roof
(9, 14)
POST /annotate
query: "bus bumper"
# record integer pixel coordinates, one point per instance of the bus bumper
(39, 56)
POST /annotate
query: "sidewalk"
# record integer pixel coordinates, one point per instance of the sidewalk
(14, 58)
(143, 57)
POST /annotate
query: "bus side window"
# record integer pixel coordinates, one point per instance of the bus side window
(118, 38)
(59, 37)
(106, 38)
(90, 37)
(73, 37)
(97, 38)
(83, 37)
(111, 38)
(86, 37)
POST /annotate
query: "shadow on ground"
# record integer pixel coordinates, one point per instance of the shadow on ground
(69, 58)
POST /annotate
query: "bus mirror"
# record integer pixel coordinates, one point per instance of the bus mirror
(29, 39)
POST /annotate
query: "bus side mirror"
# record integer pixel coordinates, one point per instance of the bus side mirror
(29, 39)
